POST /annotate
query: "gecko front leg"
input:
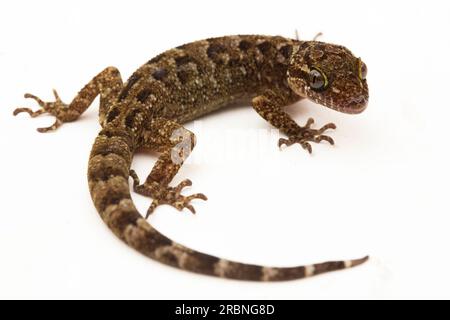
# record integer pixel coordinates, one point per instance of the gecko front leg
(175, 144)
(107, 83)
(269, 106)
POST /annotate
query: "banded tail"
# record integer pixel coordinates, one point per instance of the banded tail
(108, 176)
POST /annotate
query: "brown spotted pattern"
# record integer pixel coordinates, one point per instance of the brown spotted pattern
(184, 83)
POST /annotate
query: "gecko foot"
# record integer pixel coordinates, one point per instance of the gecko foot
(165, 194)
(307, 135)
(56, 108)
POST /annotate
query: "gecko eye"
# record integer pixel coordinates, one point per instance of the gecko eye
(317, 80)
(362, 70)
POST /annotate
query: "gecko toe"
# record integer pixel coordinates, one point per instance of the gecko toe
(200, 196)
(321, 138)
(183, 184)
(53, 127)
(32, 113)
(307, 146)
(282, 142)
(152, 208)
(327, 127)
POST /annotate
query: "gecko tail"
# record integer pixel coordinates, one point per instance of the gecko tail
(147, 240)
(108, 175)
(239, 271)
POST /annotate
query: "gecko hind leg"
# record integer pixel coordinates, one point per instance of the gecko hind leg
(175, 144)
(107, 83)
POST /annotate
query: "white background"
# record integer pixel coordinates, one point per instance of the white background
(382, 190)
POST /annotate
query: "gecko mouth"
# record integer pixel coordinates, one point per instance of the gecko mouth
(355, 105)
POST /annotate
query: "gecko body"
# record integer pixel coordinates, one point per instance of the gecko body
(182, 84)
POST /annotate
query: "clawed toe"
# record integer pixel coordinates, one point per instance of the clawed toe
(183, 184)
(135, 178)
(309, 123)
(32, 113)
(306, 145)
(327, 127)
(321, 138)
(53, 127)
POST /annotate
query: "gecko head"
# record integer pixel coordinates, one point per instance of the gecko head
(329, 75)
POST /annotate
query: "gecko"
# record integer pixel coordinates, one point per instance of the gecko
(148, 111)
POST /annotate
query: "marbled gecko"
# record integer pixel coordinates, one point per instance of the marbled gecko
(182, 84)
